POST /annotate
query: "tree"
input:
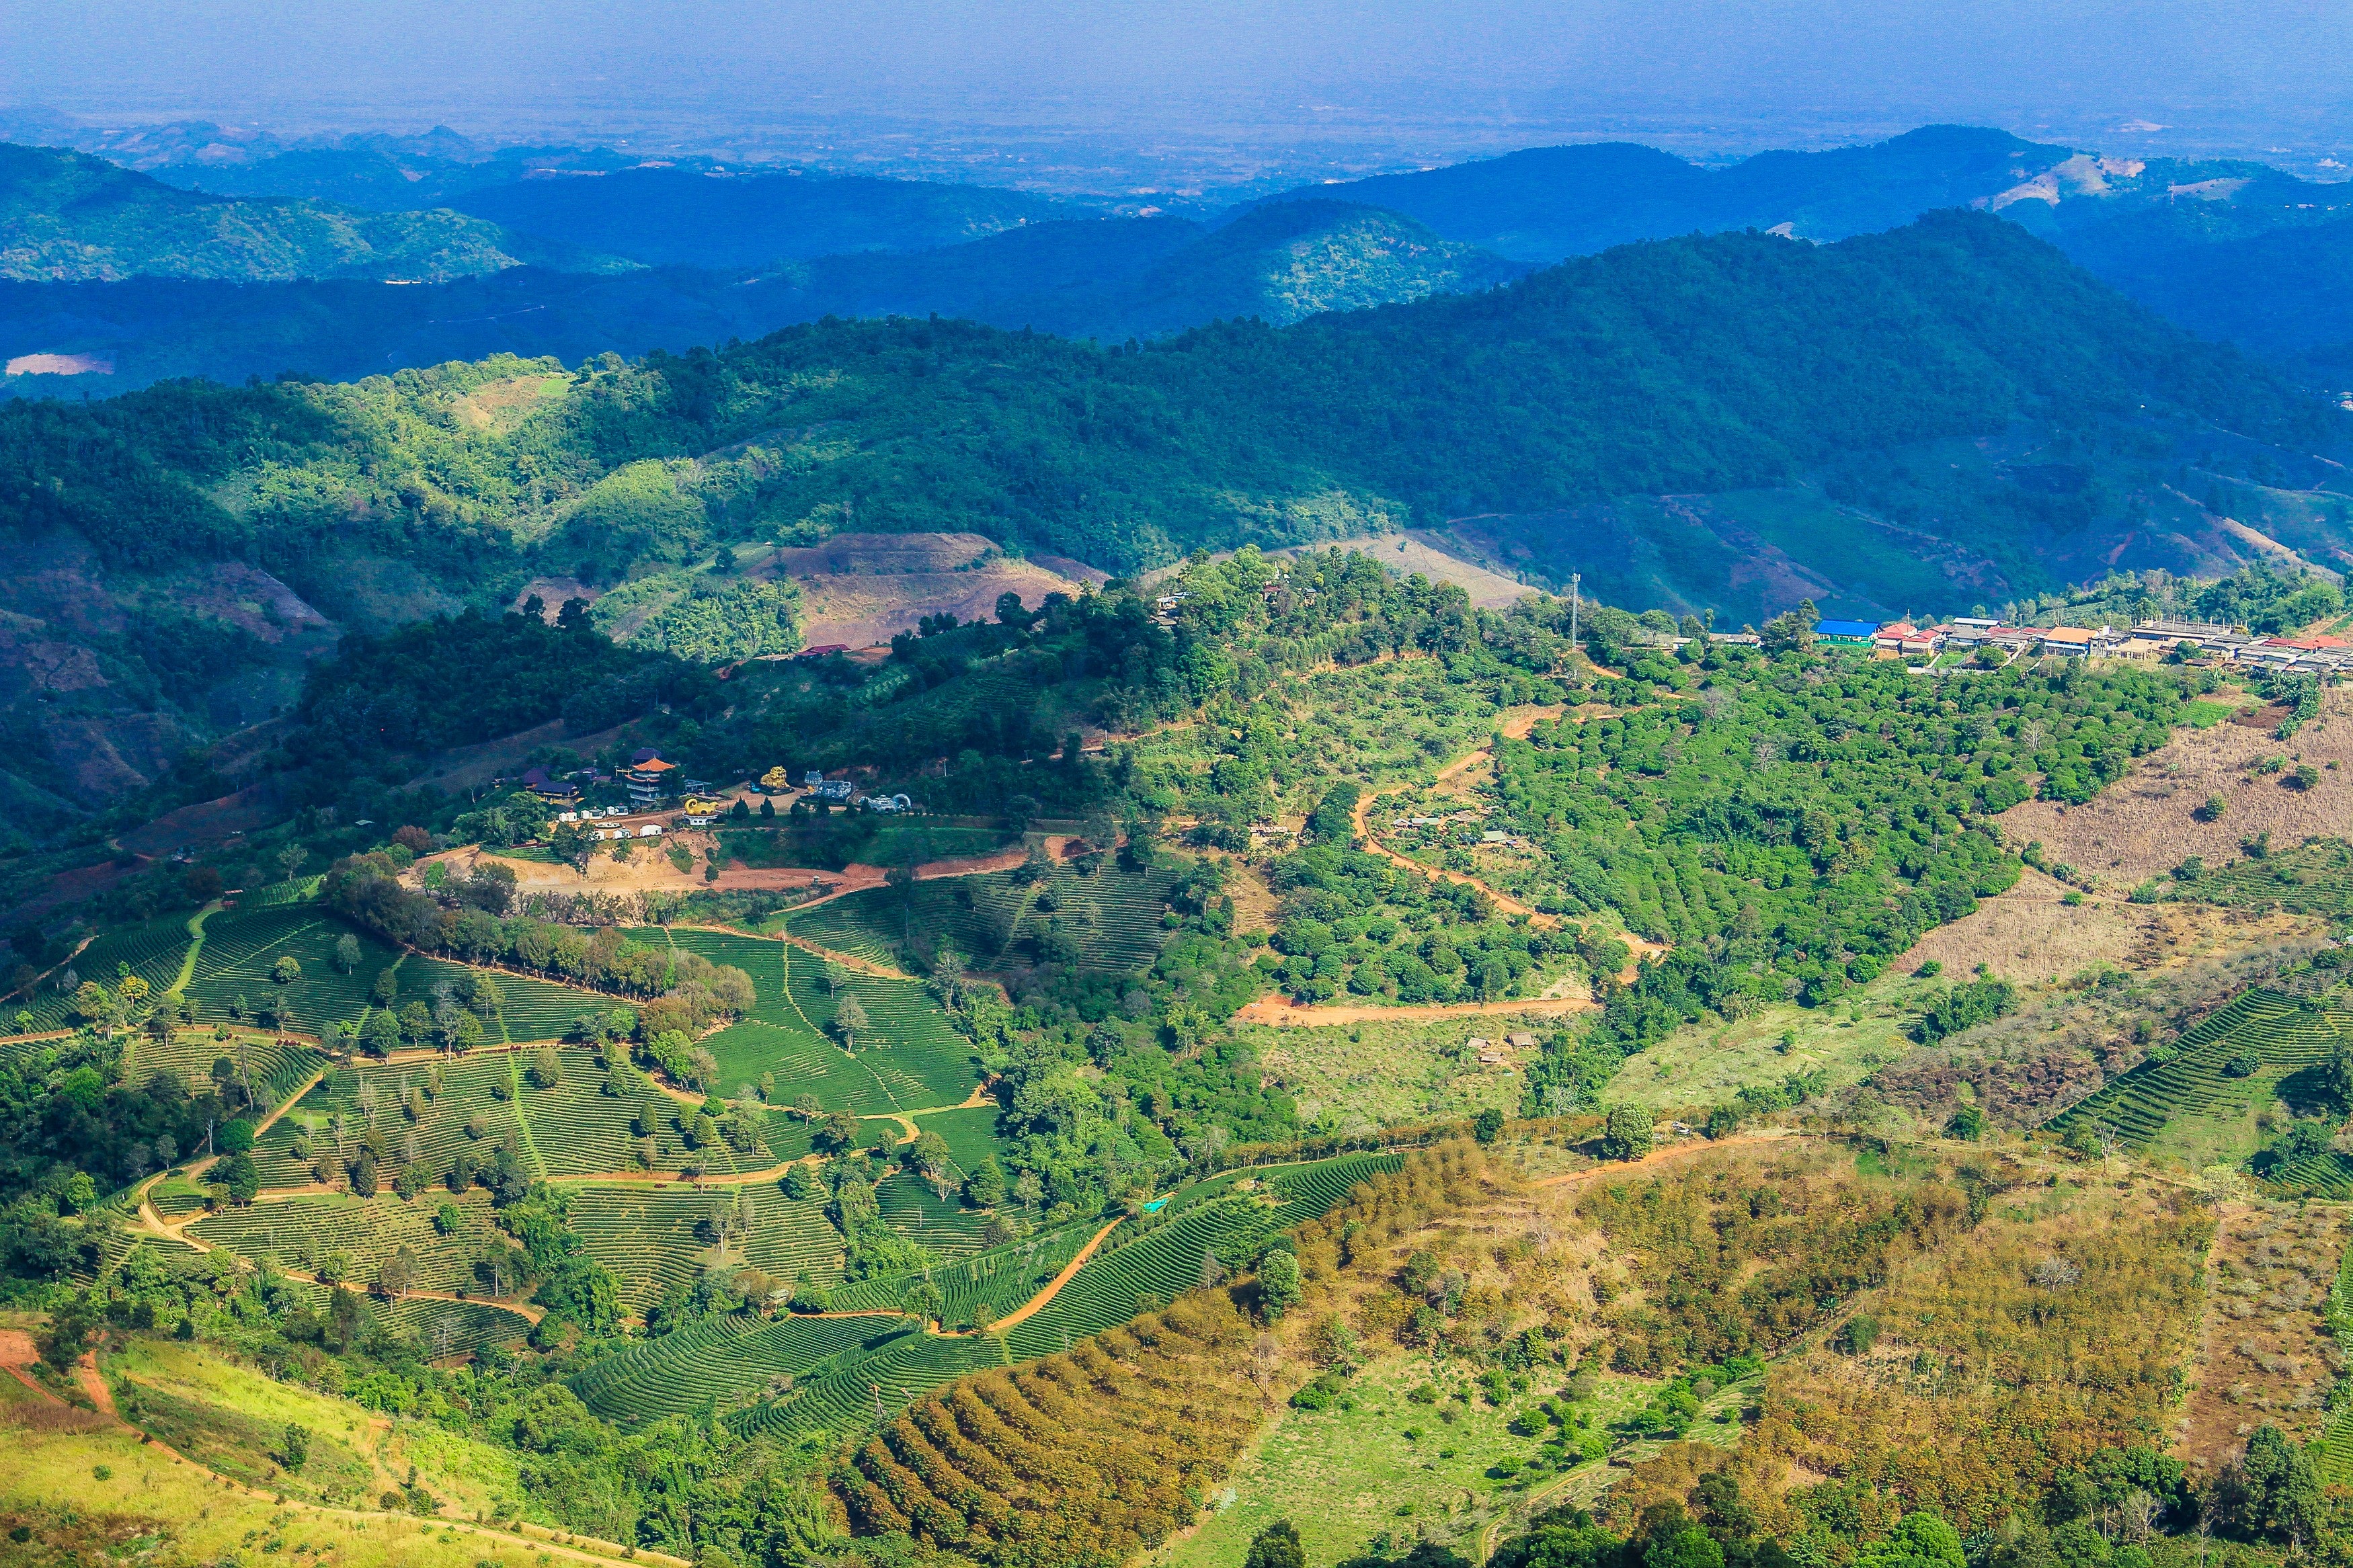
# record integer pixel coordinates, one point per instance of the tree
(1918, 1541)
(1276, 1546)
(2214, 809)
(2276, 1491)
(840, 1133)
(292, 858)
(347, 953)
(574, 845)
(380, 1035)
(397, 1274)
(850, 1022)
(930, 1156)
(807, 1107)
(287, 970)
(1688, 1547)
(1626, 1132)
(294, 1447)
(1488, 1125)
(923, 1300)
(546, 1067)
(1278, 1283)
(385, 990)
(984, 1188)
(72, 1322)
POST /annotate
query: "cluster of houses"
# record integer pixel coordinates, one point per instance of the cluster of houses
(2147, 639)
(655, 784)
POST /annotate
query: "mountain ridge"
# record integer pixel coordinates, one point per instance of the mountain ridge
(66, 216)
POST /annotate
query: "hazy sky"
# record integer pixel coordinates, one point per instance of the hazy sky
(479, 62)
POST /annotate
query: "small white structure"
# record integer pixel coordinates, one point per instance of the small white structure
(650, 830)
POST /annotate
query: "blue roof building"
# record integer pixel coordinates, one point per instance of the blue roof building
(1847, 631)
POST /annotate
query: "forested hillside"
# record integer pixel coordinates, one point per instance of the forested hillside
(1740, 365)
(69, 217)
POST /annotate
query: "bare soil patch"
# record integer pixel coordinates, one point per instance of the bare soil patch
(2029, 936)
(863, 588)
(2145, 823)
(2264, 1353)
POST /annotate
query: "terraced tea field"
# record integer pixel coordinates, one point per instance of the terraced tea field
(1140, 1265)
(2281, 1032)
(151, 949)
(657, 1237)
(1000, 1279)
(717, 1364)
(997, 921)
(529, 1010)
(233, 970)
(303, 1230)
(970, 1135)
(277, 1066)
(2315, 878)
(944, 1224)
(2335, 1460)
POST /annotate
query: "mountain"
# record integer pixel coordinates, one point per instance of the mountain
(1103, 277)
(2230, 249)
(66, 216)
(1277, 264)
(711, 217)
(1549, 202)
(1948, 415)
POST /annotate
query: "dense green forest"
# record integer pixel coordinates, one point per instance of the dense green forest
(1686, 366)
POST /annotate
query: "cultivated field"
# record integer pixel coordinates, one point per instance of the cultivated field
(1355, 1077)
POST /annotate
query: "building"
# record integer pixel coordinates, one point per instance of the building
(2074, 642)
(648, 779)
(1852, 634)
(546, 788)
(1903, 639)
(822, 650)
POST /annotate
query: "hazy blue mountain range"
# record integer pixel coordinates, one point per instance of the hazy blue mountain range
(68, 217)
(1087, 278)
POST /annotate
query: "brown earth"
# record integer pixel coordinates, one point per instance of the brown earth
(2263, 1351)
(2143, 824)
(2028, 936)
(859, 589)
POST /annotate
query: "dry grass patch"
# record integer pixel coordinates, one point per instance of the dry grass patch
(2144, 824)
(2265, 1352)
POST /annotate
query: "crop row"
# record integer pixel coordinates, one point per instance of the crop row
(655, 1238)
(1112, 916)
(719, 1360)
(151, 949)
(2278, 1031)
(304, 1230)
(1141, 1267)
